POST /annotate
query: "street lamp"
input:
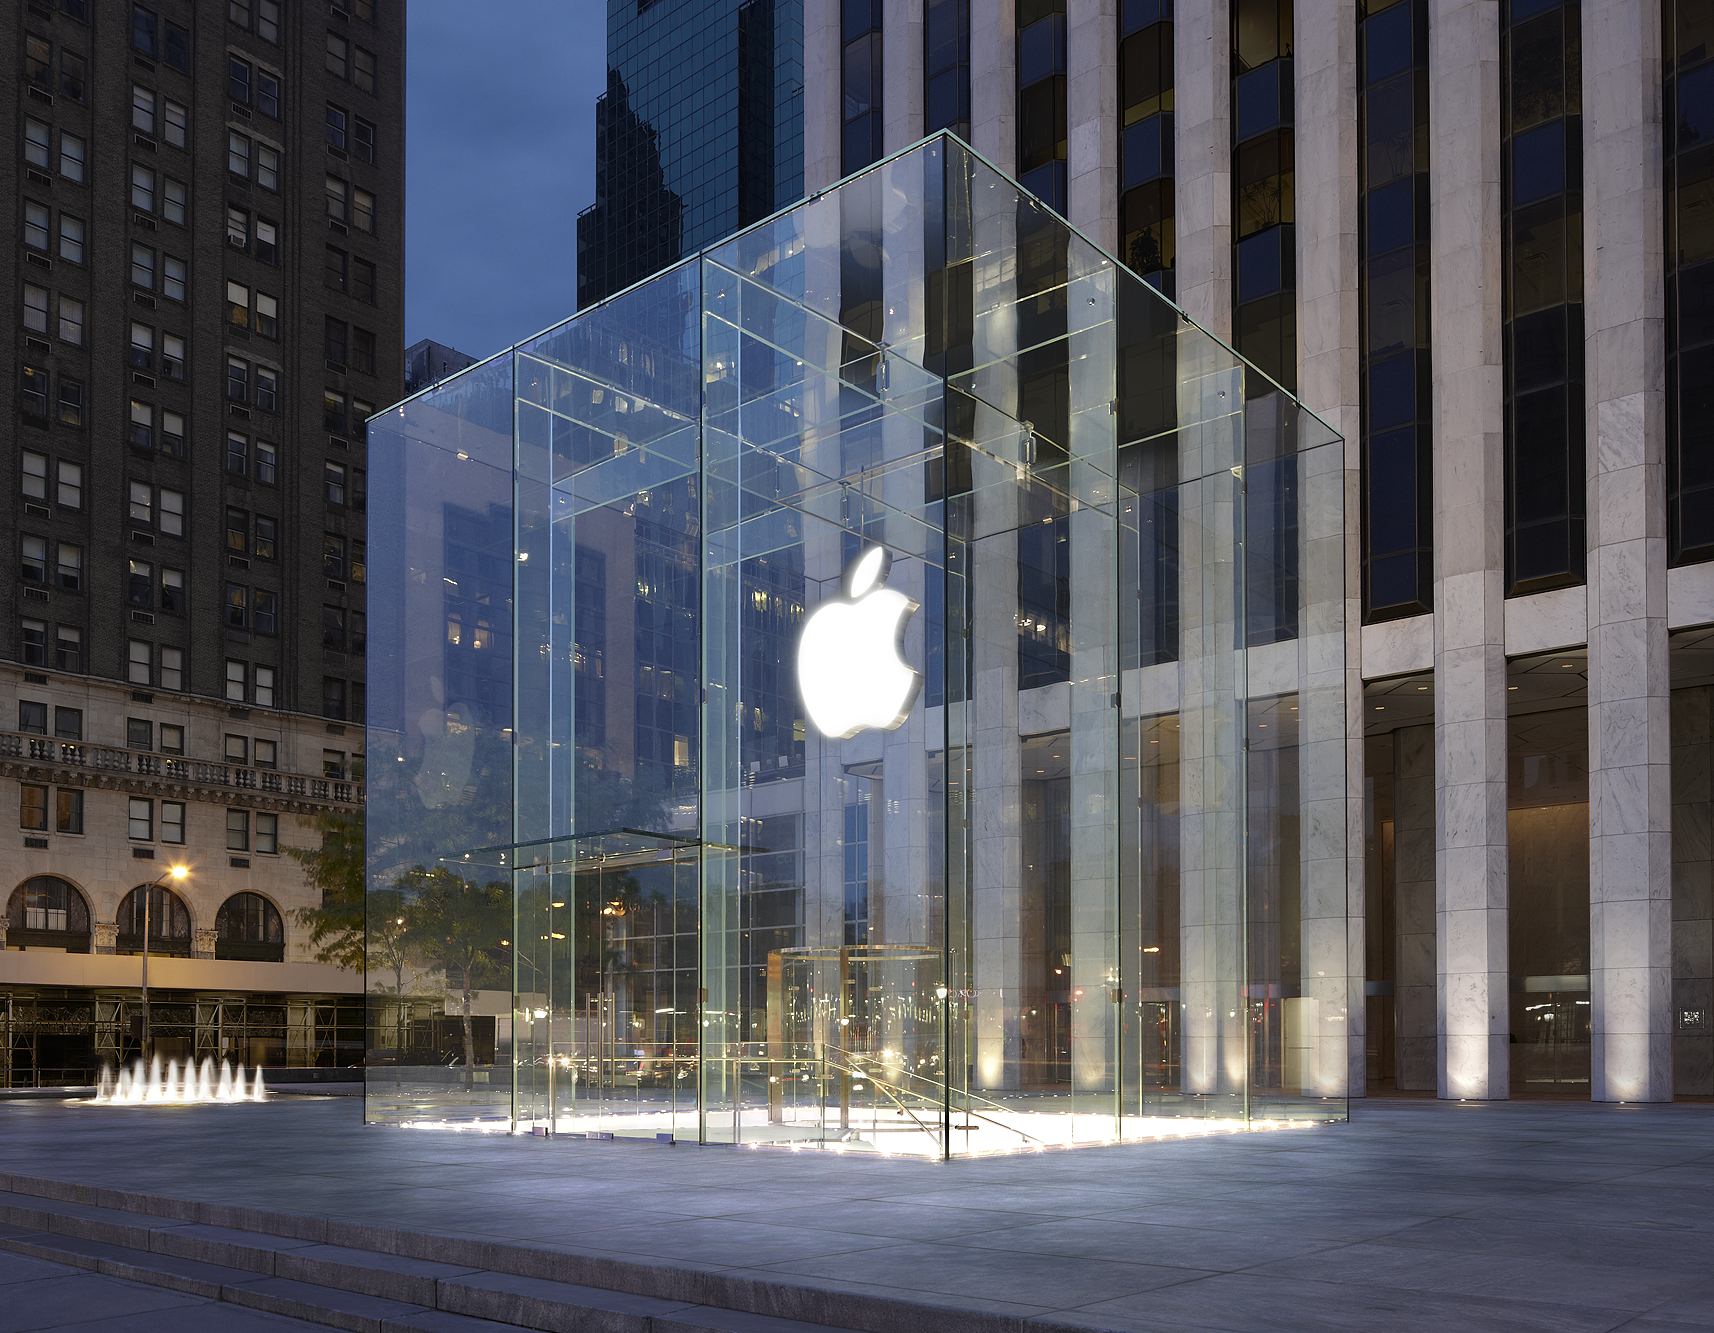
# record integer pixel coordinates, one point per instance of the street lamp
(178, 874)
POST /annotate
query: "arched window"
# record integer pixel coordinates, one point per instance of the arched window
(169, 922)
(47, 912)
(249, 927)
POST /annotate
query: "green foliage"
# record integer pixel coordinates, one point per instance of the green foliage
(336, 867)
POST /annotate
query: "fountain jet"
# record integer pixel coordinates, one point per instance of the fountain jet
(172, 1085)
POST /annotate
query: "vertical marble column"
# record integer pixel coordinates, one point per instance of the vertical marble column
(1413, 908)
(901, 74)
(822, 121)
(1330, 646)
(1202, 134)
(1469, 593)
(1094, 681)
(1092, 119)
(1693, 891)
(1630, 759)
(994, 81)
(1210, 413)
(996, 802)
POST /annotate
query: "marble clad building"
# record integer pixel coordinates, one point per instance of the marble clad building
(1473, 236)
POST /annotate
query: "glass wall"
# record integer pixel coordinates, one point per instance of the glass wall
(1541, 61)
(766, 831)
(1392, 168)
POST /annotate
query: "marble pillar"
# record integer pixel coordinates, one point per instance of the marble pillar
(1330, 620)
(1630, 758)
(1469, 592)
(1202, 134)
(901, 74)
(994, 82)
(822, 122)
(1092, 120)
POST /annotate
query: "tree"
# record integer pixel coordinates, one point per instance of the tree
(337, 868)
(459, 928)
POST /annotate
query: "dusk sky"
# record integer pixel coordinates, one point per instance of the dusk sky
(500, 145)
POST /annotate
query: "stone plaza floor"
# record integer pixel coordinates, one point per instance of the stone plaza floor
(1416, 1215)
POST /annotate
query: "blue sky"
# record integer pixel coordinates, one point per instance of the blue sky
(500, 147)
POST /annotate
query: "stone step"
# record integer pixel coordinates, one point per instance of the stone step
(362, 1291)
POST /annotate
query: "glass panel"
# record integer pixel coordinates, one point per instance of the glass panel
(926, 730)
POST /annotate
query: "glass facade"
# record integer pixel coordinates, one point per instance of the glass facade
(1542, 217)
(1688, 28)
(946, 66)
(707, 775)
(1264, 188)
(700, 132)
(1397, 425)
(1042, 114)
(859, 83)
(1147, 242)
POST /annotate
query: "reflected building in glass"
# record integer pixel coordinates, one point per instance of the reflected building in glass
(793, 725)
(699, 133)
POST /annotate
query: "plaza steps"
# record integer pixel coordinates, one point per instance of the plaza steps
(379, 1280)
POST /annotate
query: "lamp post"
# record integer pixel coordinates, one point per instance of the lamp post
(178, 874)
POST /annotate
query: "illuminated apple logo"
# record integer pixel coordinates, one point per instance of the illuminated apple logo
(849, 672)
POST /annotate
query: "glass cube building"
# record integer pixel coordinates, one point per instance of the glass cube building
(878, 684)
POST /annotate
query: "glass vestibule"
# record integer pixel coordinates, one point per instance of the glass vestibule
(923, 708)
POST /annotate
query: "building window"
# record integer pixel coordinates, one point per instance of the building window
(262, 679)
(267, 462)
(362, 139)
(267, 389)
(33, 641)
(338, 133)
(1264, 201)
(237, 606)
(68, 810)
(70, 401)
(172, 822)
(69, 570)
(167, 918)
(172, 737)
(72, 156)
(237, 830)
(139, 733)
(333, 489)
(68, 648)
(140, 584)
(71, 321)
(172, 356)
(172, 591)
(37, 221)
(267, 833)
(34, 479)
(176, 120)
(265, 611)
(1689, 133)
(248, 926)
(142, 188)
(70, 485)
(267, 753)
(1542, 225)
(33, 391)
(35, 308)
(139, 660)
(338, 56)
(68, 724)
(1041, 121)
(33, 717)
(33, 561)
(237, 453)
(860, 83)
(38, 143)
(236, 676)
(71, 238)
(140, 819)
(172, 678)
(49, 911)
(946, 66)
(1397, 418)
(32, 807)
(1147, 238)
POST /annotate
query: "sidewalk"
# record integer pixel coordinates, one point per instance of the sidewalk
(1417, 1215)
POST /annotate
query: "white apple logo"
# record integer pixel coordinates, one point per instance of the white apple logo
(849, 672)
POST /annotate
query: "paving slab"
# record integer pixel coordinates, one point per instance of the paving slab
(1417, 1214)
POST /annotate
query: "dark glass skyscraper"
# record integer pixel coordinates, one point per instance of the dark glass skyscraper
(699, 133)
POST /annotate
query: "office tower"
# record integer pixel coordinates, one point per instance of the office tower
(207, 297)
(700, 132)
(1418, 215)
(428, 362)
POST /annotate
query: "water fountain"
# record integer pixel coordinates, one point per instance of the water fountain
(170, 1084)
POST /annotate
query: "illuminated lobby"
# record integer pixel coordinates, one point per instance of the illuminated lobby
(878, 685)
